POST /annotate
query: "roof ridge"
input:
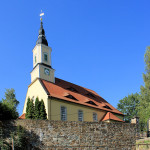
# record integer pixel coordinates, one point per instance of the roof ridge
(87, 89)
(75, 84)
(58, 89)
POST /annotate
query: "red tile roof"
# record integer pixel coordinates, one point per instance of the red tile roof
(110, 116)
(22, 116)
(60, 89)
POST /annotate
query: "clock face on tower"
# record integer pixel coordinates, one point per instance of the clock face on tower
(46, 71)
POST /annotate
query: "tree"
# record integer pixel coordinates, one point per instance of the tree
(30, 109)
(27, 109)
(20, 138)
(3, 144)
(8, 105)
(10, 98)
(5, 112)
(129, 106)
(144, 107)
(43, 114)
(37, 109)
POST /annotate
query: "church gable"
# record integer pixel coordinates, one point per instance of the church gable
(35, 89)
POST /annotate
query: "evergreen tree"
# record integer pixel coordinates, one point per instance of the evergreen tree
(37, 109)
(43, 114)
(144, 107)
(30, 109)
(27, 109)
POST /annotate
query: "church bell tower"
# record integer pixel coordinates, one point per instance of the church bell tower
(42, 59)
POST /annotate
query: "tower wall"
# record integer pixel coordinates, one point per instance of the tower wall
(42, 63)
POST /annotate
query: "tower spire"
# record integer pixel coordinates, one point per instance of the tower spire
(41, 37)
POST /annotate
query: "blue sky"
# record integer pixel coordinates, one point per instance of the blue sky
(96, 44)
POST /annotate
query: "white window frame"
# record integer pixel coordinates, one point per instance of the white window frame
(44, 56)
(80, 115)
(63, 117)
(95, 117)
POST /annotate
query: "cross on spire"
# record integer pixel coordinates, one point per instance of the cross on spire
(41, 14)
(41, 37)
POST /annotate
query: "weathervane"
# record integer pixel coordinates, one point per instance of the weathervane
(41, 14)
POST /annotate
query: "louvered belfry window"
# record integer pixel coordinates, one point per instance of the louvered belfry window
(94, 116)
(80, 115)
(45, 57)
(63, 113)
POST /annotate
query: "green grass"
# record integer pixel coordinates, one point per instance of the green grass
(145, 142)
(143, 147)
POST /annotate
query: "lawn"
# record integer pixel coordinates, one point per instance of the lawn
(143, 144)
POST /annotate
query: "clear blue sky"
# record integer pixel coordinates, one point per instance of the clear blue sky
(97, 44)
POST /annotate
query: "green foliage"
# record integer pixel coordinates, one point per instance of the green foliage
(10, 98)
(6, 112)
(27, 109)
(129, 106)
(20, 139)
(8, 106)
(144, 107)
(30, 109)
(43, 114)
(37, 109)
(4, 145)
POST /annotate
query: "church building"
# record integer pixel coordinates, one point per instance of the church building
(64, 100)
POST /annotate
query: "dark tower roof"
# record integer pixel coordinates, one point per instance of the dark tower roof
(41, 37)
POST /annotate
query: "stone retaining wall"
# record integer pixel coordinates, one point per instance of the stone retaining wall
(80, 135)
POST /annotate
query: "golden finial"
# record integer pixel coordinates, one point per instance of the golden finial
(41, 14)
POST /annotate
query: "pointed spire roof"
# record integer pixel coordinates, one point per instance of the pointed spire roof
(41, 37)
